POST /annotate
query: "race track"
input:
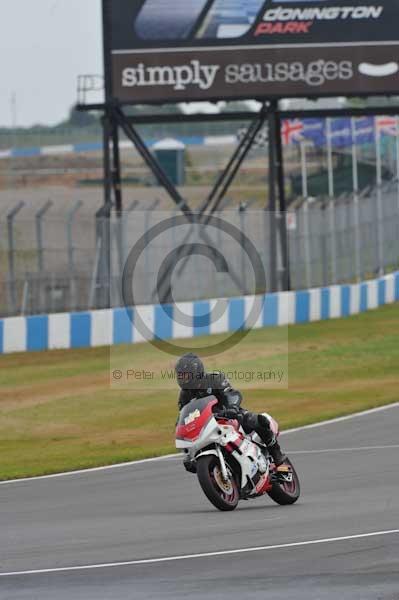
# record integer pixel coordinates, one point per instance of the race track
(155, 510)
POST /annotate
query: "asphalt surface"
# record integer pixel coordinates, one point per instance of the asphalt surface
(156, 510)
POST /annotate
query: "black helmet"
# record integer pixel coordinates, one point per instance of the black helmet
(189, 371)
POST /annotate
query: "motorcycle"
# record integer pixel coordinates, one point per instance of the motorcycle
(231, 465)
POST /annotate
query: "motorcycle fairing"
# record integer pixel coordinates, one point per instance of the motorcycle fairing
(194, 417)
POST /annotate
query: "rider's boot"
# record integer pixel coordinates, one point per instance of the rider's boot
(277, 455)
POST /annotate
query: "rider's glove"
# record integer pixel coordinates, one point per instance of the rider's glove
(231, 413)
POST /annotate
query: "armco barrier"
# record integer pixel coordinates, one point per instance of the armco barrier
(117, 325)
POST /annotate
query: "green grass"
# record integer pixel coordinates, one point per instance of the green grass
(58, 411)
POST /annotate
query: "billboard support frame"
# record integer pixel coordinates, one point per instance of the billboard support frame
(115, 119)
(102, 272)
(272, 157)
(223, 182)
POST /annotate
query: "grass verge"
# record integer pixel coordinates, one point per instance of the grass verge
(58, 412)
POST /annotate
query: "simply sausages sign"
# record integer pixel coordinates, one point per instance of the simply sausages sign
(180, 50)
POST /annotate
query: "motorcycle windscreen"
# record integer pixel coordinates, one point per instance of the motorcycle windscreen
(165, 20)
(229, 19)
(194, 409)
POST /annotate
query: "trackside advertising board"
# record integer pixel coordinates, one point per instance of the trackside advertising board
(179, 50)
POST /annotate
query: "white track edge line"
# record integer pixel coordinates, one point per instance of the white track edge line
(91, 469)
(170, 456)
(147, 561)
(362, 413)
(331, 450)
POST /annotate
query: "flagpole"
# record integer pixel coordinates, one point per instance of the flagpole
(397, 159)
(356, 215)
(330, 166)
(305, 209)
(331, 203)
(379, 197)
(304, 171)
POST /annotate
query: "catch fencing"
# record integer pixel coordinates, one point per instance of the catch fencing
(346, 239)
(75, 262)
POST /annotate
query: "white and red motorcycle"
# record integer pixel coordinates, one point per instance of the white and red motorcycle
(230, 464)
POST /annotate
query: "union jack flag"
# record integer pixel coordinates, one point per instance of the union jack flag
(387, 125)
(292, 131)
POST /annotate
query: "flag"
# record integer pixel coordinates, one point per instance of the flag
(294, 131)
(315, 131)
(364, 130)
(386, 125)
(291, 131)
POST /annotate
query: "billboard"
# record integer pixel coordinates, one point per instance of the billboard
(181, 50)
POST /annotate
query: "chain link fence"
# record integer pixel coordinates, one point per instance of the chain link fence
(347, 239)
(76, 262)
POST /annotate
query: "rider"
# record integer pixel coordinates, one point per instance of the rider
(196, 383)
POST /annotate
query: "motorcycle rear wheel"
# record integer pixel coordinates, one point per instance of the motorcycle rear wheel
(209, 477)
(286, 493)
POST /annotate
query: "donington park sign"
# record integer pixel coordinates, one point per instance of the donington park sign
(179, 50)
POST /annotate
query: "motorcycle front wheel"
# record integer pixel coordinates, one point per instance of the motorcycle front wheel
(223, 495)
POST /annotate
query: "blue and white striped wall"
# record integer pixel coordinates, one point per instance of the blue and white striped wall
(195, 140)
(119, 325)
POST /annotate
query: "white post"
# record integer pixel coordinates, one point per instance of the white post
(331, 205)
(306, 241)
(331, 211)
(306, 228)
(304, 170)
(397, 160)
(330, 166)
(380, 265)
(93, 284)
(356, 200)
(25, 293)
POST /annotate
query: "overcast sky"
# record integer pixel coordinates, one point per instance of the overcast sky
(45, 45)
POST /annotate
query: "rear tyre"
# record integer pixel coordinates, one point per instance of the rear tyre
(286, 492)
(224, 496)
